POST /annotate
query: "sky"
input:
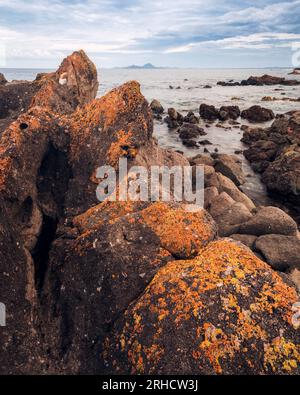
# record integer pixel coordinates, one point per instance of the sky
(170, 33)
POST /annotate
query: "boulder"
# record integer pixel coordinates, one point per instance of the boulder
(261, 153)
(252, 135)
(189, 131)
(258, 114)
(220, 204)
(247, 240)
(229, 220)
(270, 220)
(224, 184)
(210, 194)
(202, 159)
(209, 113)
(3, 80)
(280, 252)
(219, 310)
(229, 112)
(230, 167)
(283, 175)
(156, 107)
(191, 118)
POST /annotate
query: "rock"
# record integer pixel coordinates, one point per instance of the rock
(261, 153)
(190, 143)
(251, 135)
(174, 118)
(230, 220)
(220, 204)
(270, 220)
(3, 80)
(191, 118)
(296, 71)
(207, 86)
(202, 159)
(247, 240)
(156, 107)
(283, 174)
(225, 281)
(258, 114)
(189, 131)
(208, 112)
(228, 186)
(294, 275)
(230, 167)
(229, 112)
(280, 252)
(205, 142)
(269, 80)
(210, 194)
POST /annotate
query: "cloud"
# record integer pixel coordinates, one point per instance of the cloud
(143, 29)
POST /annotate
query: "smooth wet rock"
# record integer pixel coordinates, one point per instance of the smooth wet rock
(270, 220)
(281, 252)
(196, 301)
(258, 114)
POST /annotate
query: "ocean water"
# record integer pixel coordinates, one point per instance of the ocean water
(155, 85)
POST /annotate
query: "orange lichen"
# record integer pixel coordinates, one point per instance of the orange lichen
(120, 148)
(181, 232)
(184, 294)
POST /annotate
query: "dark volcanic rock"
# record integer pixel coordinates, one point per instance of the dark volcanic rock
(208, 112)
(156, 107)
(191, 118)
(174, 118)
(195, 300)
(258, 114)
(229, 112)
(188, 131)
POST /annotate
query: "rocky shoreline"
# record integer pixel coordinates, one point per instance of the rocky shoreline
(139, 287)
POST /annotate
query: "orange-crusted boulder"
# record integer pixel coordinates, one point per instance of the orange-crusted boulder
(112, 263)
(223, 312)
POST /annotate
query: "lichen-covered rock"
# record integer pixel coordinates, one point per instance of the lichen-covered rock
(115, 260)
(224, 312)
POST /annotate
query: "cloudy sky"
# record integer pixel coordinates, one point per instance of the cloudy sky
(180, 33)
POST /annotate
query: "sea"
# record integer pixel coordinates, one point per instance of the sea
(188, 94)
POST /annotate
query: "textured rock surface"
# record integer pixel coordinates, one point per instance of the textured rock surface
(270, 220)
(258, 114)
(217, 311)
(281, 252)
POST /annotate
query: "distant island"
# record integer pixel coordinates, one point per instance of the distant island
(147, 66)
